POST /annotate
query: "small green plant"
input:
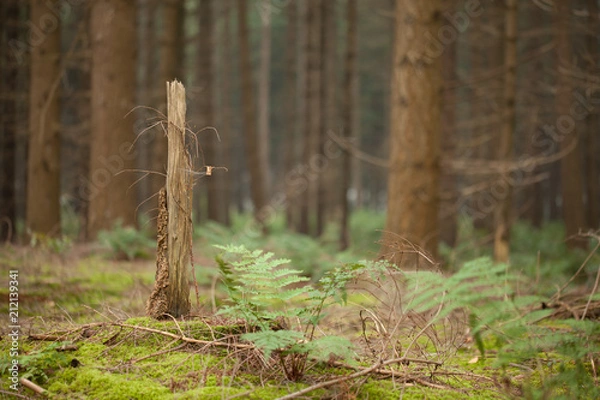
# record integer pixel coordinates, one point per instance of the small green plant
(57, 245)
(282, 308)
(39, 365)
(126, 242)
(562, 352)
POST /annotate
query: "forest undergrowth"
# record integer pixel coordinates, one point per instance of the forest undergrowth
(312, 324)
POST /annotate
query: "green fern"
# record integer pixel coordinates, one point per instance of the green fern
(267, 294)
(515, 324)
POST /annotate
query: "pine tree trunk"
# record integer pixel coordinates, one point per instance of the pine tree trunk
(255, 149)
(291, 111)
(225, 112)
(414, 174)
(448, 212)
(75, 135)
(169, 68)
(264, 82)
(313, 116)
(592, 143)
(9, 14)
(571, 171)
(208, 140)
(327, 182)
(348, 115)
(502, 217)
(113, 81)
(43, 172)
(146, 74)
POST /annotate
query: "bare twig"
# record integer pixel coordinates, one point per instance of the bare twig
(587, 259)
(32, 386)
(184, 338)
(362, 372)
(16, 395)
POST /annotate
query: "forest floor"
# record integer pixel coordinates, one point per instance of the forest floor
(83, 335)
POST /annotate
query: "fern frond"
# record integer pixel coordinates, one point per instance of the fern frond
(270, 341)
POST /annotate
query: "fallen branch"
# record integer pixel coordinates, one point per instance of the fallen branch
(362, 372)
(30, 385)
(17, 395)
(186, 339)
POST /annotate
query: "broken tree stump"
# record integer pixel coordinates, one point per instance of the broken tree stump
(171, 294)
(157, 303)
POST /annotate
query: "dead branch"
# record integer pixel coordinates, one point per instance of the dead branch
(362, 372)
(32, 386)
(184, 338)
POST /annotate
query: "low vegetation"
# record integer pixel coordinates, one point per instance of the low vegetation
(315, 324)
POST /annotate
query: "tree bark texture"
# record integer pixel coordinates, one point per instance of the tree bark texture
(502, 217)
(43, 172)
(179, 203)
(113, 79)
(414, 175)
(348, 115)
(571, 169)
(255, 149)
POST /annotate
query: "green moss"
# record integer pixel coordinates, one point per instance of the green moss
(107, 386)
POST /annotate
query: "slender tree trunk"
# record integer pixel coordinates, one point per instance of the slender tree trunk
(75, 134)
(414, 174)
(502, 217)
(348, 115)
(291, 108)
(146, 73)
(448, 213)
(225, 112)
(297, 182)
(255, 149)
(264, 82)
(313, 115)
(169, 68)
(113, 80)
(570, 166)
(327, 178)
(592, 143)
(43, 172)
(9, 14)
(208, 140)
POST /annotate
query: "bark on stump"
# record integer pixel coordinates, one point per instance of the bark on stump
(171, 294)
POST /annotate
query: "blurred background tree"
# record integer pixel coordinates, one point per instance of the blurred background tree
(310, 105)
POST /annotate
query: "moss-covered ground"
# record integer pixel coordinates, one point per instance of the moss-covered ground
(78, 309)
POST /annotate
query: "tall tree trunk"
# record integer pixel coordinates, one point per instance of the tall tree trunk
(570, 166)
(255, 149)
(313, 115)
(75, 133)
(297, 182)
(414, 174)
(43, 173)
(448, 212)
(327, 177)
(169, 68)
(264, 82)
(113, 80)
(146, 74)
(208, 140)
(224, 113)
(502, 217)
(291, 108)
(592, 143)
(348, 115)
(9, 14)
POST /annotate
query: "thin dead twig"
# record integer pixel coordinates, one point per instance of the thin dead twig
(361, 372)
(185, 338)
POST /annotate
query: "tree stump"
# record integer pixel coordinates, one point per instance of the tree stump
(171, 294)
